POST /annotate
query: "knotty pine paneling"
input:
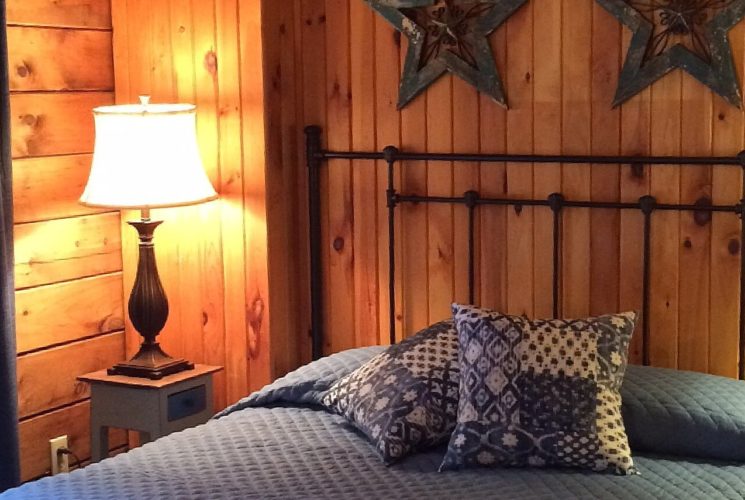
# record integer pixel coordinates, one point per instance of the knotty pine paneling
(69, 302)
(560, 61)
(29, 67)
(91, 14)
(73, 421)
(215, 260)
(47, 379)
(44, 188)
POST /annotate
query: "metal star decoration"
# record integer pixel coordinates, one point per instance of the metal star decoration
(686, 34)
(448, 35)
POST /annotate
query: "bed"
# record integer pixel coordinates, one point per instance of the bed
(687, 430)
(278, 443)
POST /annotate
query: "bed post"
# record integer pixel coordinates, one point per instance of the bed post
(313, 158)
(741, 213)
(389, 154)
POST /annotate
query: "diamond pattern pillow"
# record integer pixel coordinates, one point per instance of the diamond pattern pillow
(404, 399)
(540, 393)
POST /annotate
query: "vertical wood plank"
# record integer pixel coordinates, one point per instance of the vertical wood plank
(466, 177)
(440, 183)
(547, 55)
(253, 104)
(414, 217)
(388, 133)
(605, 182)
(695, 237)
(519, 79)
(231, 199)
(493, 220)
(728, 131)
(576, 139)
(665, 186)
(340, 208)
(364, 182)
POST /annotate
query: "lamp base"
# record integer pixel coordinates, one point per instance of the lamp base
(151, 363)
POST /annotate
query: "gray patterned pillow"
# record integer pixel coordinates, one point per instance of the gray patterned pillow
(540, 393)
(404, 399)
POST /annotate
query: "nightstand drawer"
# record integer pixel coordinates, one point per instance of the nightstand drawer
(187, 403)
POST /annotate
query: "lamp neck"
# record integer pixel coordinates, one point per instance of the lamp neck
(145, 214)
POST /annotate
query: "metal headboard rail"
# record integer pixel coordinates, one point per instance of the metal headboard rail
(557, 203)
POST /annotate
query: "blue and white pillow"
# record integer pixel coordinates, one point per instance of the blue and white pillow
(404, 399)
(540, 393)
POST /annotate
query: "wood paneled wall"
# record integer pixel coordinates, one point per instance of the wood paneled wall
(216, 260)
(68, 265)
(560, 61)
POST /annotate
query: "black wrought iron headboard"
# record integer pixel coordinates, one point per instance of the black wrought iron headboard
(316, 156)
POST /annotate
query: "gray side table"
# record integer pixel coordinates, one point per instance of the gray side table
(155, 408)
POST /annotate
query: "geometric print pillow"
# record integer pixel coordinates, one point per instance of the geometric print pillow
(406, 398)
(542, 393)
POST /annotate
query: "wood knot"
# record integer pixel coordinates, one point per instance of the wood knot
(338, 244)
(702, 217)
(23, 70)
(30, 120)
(527, 77)
(637, 171)
(255, 318)
(733, 247)
(688, 243)
(210, 62)
(181, 29)
(205, 318)
(721, 117)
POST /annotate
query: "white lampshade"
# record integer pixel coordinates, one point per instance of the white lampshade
(146, 156)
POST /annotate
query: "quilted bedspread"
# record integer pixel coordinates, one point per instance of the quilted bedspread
(278, 444)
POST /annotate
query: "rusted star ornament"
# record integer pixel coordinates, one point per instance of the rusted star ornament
(688, 34)
(448, 35)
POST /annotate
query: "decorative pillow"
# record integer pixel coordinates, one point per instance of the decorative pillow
(684, 413)
(406, 398)
(540, 393)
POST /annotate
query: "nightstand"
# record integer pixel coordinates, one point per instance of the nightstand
(155, 408)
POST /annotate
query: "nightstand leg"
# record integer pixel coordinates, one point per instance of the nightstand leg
(99, 442)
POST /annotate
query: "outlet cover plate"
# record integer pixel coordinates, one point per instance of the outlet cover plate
(60, 463)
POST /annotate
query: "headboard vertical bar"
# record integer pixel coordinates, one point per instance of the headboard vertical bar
(313, 159)
(647, 205)
(556, 202)
(741, 210)
(390, 153)
(471, 198)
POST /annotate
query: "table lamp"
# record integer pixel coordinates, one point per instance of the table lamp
(146, 156)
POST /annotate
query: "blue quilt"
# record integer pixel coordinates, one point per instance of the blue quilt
(277, 443)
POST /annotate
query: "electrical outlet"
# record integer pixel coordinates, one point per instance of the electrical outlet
(60, 462)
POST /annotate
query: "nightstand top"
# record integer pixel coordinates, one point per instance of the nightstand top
(101, 377)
